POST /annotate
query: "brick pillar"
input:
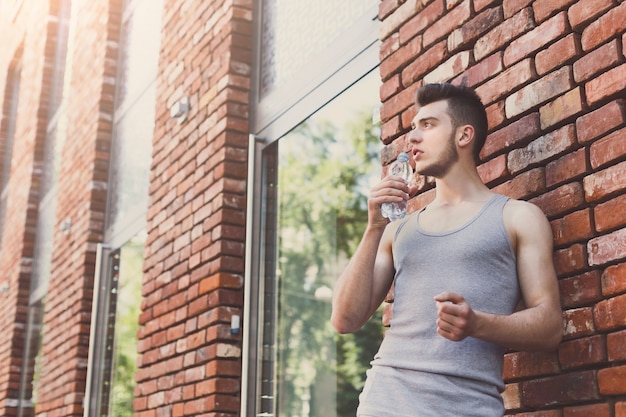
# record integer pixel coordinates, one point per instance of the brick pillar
(553, 77)
(92, 57)
(32, 44)
(190, 363)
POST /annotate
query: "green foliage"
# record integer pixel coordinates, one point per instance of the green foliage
(324, 178)
(126, 327)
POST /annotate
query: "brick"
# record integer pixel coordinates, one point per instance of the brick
(558, 54)
(580, 290)
(483, 70)
(492, 170)
(400, 59)
(572, 228)
(615, 343)
(597, 61)
(605, 27)
(524, 185)
(602, 184)
(566, 168)
(610, 215)
(400, 15)
(389, 46)
(612, 381)
(503, 34)
(570, 260)
(608, 149)
(578, 323)
(398, 103)
(511, 7)
(596, 123)
(582, 352)
(420, 20)
(614, 280)
(536, 39)
(540, 91)
(542, 149)
(386, 7)
(543, 413)
(590, 410)
(565, 388)
(518, 132)
(449, 69)
(447, 23)
(482, 4)
(583, 12)
(508, 80)
(607, 84)
(476, 27)
(546, 8)
(563, 107)
(620, 409)
(390, 87)
(424, 63)
(495, 115)
(607, 248)
(610, 314)
(512, 396)
(390, 130)
(560, 200)
(519, 365)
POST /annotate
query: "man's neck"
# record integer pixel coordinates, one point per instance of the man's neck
(460, 185)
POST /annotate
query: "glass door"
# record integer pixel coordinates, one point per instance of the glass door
(315, 183)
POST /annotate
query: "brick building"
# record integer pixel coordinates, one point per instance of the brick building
(169, 238)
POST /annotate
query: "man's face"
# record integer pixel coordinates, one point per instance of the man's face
(432, 140)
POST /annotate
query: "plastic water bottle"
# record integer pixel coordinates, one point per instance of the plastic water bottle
(399, 168)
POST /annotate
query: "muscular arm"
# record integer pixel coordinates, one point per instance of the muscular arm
(363, 285)
(539, 325)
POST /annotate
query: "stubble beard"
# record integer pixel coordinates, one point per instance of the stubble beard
(446, 160)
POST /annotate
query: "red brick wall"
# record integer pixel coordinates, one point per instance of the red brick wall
(34, 51)
(552, 74)
(81, 198)
(190, 363)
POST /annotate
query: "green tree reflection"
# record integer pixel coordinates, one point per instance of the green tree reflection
(324, 178)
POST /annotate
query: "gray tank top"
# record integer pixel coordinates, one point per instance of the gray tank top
(475, 260)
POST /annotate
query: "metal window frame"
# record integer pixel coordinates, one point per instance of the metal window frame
(269, 122)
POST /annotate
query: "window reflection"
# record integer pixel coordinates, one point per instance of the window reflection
(124, 347)
(297, 32)
(325, 168)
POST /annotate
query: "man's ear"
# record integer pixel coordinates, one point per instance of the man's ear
(466, 136)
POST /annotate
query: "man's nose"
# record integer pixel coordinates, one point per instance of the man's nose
(414, 136)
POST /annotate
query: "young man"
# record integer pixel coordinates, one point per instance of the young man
(459, 267)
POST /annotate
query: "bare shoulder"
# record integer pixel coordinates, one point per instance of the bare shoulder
(525, 221)
(520, 211)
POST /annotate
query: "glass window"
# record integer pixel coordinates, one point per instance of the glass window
(133, 128)
(113, 341)
(318, 26)
(117, 299)
(12, 94)
(317, 179)
(301, 44)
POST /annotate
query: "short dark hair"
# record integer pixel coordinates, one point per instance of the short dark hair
(464, 108)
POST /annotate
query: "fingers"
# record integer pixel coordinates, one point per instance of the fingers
(454, 318)
(389, 190)
(449, 296)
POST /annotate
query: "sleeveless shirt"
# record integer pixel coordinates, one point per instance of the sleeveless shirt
(417, 372)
